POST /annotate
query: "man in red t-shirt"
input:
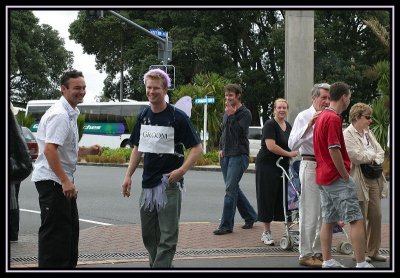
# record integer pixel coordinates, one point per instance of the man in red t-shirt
(339, 200)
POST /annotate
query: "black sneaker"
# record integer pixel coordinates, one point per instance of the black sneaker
(248, 225)
(219, 232)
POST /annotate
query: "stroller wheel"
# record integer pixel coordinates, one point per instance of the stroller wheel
(286, 243)
(339, 247)
(346, 248)
(296, 240)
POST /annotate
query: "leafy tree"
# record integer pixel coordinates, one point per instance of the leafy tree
(381, 69)
(380, 118)
(245, 46)
(37, 58)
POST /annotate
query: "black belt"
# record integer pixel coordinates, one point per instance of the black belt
(308, 157)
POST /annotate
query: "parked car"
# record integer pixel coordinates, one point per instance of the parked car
(255, 133)
(31, 142)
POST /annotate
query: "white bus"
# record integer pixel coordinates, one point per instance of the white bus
(104, 121)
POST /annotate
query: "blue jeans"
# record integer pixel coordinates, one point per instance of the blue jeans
(233, 168)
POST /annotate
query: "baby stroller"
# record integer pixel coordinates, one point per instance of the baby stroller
(342, 247)
(291, 237)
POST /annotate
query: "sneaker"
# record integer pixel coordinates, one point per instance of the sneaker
(378, 258)
(219, 232)
(266, 237)
(263, 236)
(248, 225)
(365, 265)
(332, 263)
(367, 259)
(310, 262)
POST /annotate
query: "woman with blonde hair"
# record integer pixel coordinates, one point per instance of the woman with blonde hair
(363, 148)
(269, 190)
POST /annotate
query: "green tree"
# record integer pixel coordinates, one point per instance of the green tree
(245, 46)
(37, 58)
(381, 70)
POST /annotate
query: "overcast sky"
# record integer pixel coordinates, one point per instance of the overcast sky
(60, 21)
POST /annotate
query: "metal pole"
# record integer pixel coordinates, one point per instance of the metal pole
(137, 26)
(205, 128)
(121, 85)
(165, 52)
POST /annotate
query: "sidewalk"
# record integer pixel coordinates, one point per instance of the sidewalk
(121, 246)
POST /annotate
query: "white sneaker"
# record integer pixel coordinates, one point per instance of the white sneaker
(332, 263)
(266, 237)
(263, 236)
(365, 265)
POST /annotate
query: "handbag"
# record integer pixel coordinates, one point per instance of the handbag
(371, 170)
(20, 161)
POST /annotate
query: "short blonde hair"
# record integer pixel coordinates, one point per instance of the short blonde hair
(357, 110)
(158, 74)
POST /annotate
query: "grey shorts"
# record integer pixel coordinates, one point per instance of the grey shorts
(339, 201)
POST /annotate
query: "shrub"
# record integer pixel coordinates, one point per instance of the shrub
(23, 120)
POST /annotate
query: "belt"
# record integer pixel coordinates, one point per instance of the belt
(308, 157)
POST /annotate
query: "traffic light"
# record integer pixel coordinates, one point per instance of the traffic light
(95, 13)
(170, 70)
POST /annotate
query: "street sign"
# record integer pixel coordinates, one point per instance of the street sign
(158, 32)
(206, 100)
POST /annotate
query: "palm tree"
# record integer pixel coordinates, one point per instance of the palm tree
(381, 106)
(210, 85)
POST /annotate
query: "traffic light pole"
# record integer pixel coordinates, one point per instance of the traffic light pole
(164, 42)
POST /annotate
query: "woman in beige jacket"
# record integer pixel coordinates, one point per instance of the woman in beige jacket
(363, 147)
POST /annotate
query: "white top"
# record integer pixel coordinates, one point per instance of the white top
(58, 126)
(301, 139)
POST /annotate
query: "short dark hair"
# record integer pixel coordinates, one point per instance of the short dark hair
(338, 89)
(68, 75)
(234, 88)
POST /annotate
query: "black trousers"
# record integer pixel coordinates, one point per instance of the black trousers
(59, 230)
(13, 228)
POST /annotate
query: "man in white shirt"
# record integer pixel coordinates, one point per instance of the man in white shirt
(301, 138)
(57, 137)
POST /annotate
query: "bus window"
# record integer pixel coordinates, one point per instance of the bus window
(104, 121)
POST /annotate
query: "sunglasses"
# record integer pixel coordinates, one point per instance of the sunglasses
(367, 117)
